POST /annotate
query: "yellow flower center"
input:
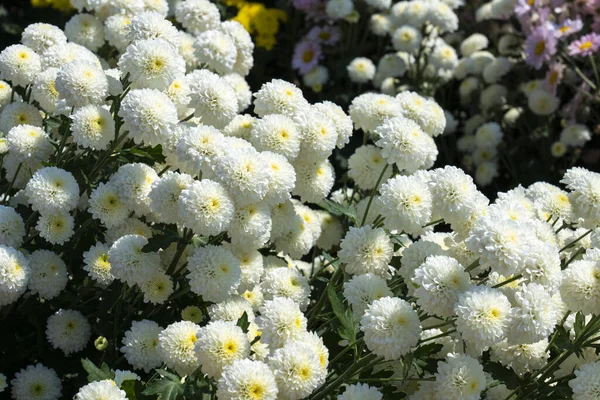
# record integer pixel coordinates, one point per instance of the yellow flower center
(585, 45)
(256, 391)
(308, 56)
(230, 347)
(539, 48)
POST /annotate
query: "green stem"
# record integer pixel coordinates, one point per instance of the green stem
(348, 373)
(506, 282)
(346, 350)
(12, 182)
(570, 244)
(364, 218)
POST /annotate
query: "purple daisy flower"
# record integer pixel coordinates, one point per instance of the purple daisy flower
(306, 56)
(554, 76)
(327, 35)
(568, 27)
(525, 6)
(585, 45)
(540, 46)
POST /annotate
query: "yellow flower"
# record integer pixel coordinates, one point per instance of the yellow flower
(260, 21)
(266, 41)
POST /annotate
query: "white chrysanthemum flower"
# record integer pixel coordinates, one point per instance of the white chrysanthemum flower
(56, 227)
(362, 290)
(214, 273)
(247, 380)
(92, 127)
(14, 274)
(187, 50)
(425, 112)
(406, 204)
(483, 316)
(370, 110)
(231, 310)
(502, 244)
(61, 54)
(391, 326)
(197, 147)
(282, 178)
(460, 377)
(522, 358)
(51, 190)
(332, 232)
(19, 113)
(115, 86)
(404, 143)
(164, 196)
(134, 182)
(316, 78)
(453, 193)
(157, 286)
(197, 16)
(116, 28)
(580, 288)
(212, 98)
(39, 37)
(80, 83)
(280, 321)
(276, 133)
(542, 102)
(241, 127)
(176, 346)
(68, 331)
(300, 234)
(179, 93)
(106, 205)
(534, 315)
(245, 173)
(127, 261)
(365, 166)
(440, 280)
(314, 178)
(575, 135)
(99, 390)
(216, 50)
(219, 344)
(443, 57)
(543, 266)
(473, 43)
(140, 345)
(130, 226)
(288, 283)
(151, 63)
(241, 89)
(339, 9)
(279, 97)
(496, 70)
(152, 25)
(48, 274)
(250, 226)
(28, 143)
(488, 135)
(85, 30)
(341, 121)
(366, 250)
(360, 391)
(149, 116)
(206, 207)
(586, 384)
(585, 195)
(19, 64)
(243, 42)
(36, 382)
(44, 89)
(6, 93)
(12, 227)
(361, 70)
(407, 39)
(297, 370)
(95, 262)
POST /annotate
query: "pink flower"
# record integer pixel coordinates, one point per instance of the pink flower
(585, 45)
(306, 56)
(327, 35)
(540, 46)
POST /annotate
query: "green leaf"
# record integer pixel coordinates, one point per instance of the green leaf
(129, 388)
(95, 373)
(199, 241)
(338, 209)
(243, 322)
(579, 324)
(167, 388)
(348, 328)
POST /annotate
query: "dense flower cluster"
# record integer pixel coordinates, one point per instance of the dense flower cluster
(167, 231)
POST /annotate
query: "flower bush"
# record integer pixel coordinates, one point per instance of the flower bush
(169, 230)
